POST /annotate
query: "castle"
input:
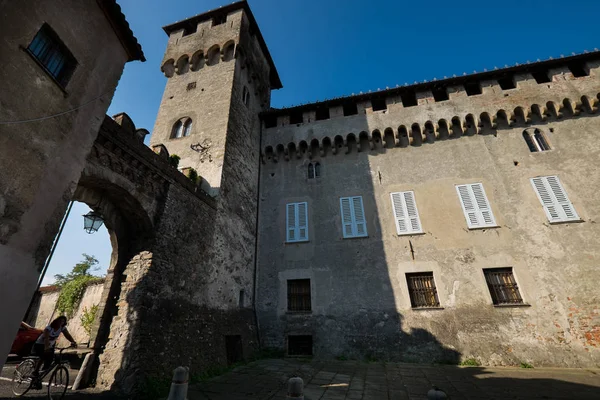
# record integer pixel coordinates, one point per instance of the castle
(432, 222)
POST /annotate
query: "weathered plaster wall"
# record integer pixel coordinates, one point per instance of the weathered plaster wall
(33, 199)
(360, 297)
(44, 311)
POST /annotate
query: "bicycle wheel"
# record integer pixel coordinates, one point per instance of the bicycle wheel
(57, 385)
(21, 381)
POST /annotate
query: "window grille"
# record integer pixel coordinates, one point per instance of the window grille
(53, 55)
(422, 291)
(299, 295)
(502, 285)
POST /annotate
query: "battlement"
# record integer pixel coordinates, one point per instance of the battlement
(427, 112)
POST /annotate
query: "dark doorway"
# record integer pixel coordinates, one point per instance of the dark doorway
(233, 345)
(300, 345)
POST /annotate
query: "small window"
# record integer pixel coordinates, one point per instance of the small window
(177, 130)
(541, 77)
(578, 70)
(322, 113)
(219, 20)
(440, 94)
(422, 291)
(554, 199)
(409, 99)
(502, 285)
(270, 121)
(300, 345)
(241, 298)
(53, 55)
(536, 140)
(350, 109)
(507, 82)
(314, 170)
(378, 104)
(297, 222)
(353, 217)
(246, 96)
(298, 295)
(472, 88)
(190, 86)
(475, 205)
(296, 117)
(187, 127)
(406, 214)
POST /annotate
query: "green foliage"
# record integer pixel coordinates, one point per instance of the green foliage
(342, 358)
(174, 160)
(153, 388)
(193, 175)
(470, 362)
(72, 285)
(87, 318)
(526, 365)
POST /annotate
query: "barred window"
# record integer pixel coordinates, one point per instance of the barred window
(422, 291)
(502, 285)
(299, 295)
(56, 59)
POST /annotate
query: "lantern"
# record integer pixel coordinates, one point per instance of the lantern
(92, 221)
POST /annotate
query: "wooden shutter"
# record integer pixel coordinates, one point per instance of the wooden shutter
(475, 205)
(302, 219)
(297, 222)
(406, 213)
(353, 217)
(554, 199)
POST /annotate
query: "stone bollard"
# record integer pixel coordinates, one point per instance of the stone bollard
(179, 384)
(295, 389)
(435, 394)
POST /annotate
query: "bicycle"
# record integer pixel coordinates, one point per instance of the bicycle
(23, 380)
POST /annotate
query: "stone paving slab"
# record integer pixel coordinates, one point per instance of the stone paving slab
(353, 380)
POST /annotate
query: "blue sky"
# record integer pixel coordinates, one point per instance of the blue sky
(329, 48)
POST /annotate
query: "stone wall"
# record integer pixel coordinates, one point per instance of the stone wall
(33, 199)
(360, 300)
(43, 310)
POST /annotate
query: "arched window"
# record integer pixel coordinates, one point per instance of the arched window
(536, 141)
(246, 96)
(177, 131)
(187, 127)
(317, 170)
(311, 171)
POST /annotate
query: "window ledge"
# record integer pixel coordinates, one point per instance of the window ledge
(574, 221)
(411, 234)
(479, 228)
(299, 312)
(296, 242)
(512, 305)
(426, 308)
(43, 67)
(355, 237)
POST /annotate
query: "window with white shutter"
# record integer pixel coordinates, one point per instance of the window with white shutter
(475, 205)
(297, 222)
(406, 213)
(353, 217)
(554, 198)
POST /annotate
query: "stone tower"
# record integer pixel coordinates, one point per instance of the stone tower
(220, 75)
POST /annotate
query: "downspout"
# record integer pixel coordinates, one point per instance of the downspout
(256, 235)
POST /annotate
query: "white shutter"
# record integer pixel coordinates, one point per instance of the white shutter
(475, 205)
(353, 217)
(297, 222)
(554, 198)
(302, 219)
(359, 217)
(406, 213)
(291, 222)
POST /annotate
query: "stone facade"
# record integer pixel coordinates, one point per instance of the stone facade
(49, 125)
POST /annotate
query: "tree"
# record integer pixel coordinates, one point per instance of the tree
(73, 284)
(80, 269)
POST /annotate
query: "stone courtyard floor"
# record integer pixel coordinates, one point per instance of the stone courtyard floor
(352, 380)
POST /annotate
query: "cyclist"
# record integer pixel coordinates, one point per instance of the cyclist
(44, 345)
